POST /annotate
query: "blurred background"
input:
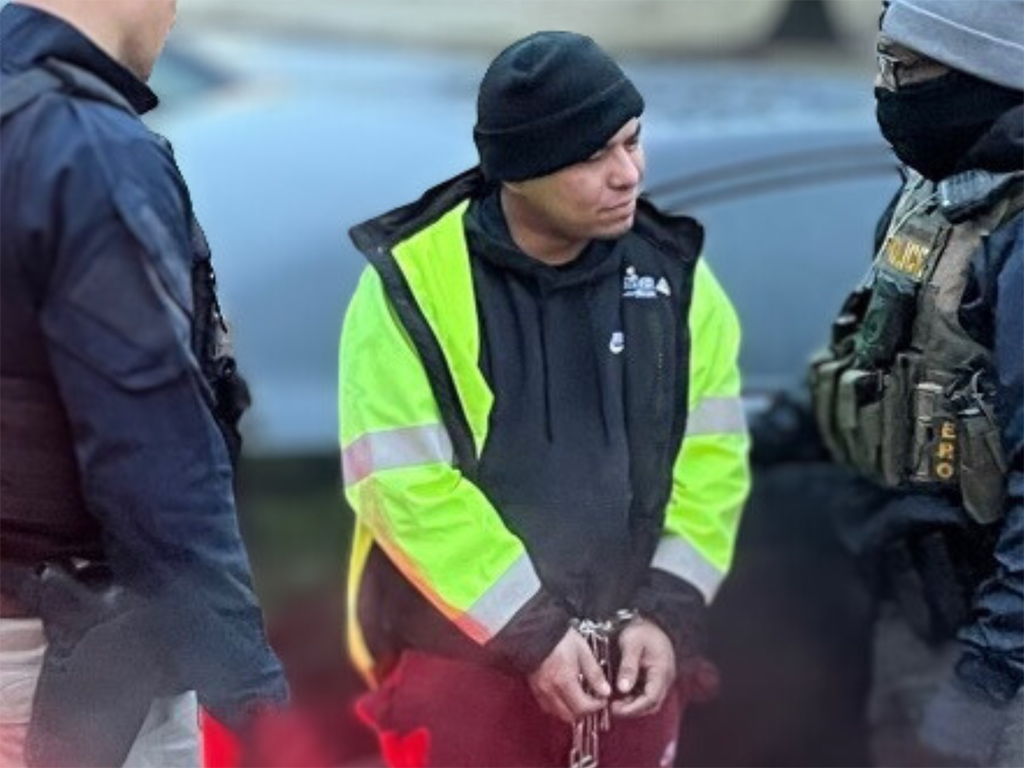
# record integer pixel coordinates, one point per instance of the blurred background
(293, 121)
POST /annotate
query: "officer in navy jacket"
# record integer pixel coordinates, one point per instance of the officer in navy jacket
(120, 407)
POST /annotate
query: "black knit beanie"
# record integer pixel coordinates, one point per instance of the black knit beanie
(547, 101)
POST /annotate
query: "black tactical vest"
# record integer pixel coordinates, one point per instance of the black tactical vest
(41, 508)
(43, 514)
(904, 394)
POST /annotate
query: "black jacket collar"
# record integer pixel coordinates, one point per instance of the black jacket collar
(29, 36)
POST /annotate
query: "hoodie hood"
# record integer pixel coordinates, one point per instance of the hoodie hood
(490, 238)
(1001, 148)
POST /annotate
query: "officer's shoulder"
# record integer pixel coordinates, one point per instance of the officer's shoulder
(1002, 252)
(88, 166)
(1010, 236)
(69, 127)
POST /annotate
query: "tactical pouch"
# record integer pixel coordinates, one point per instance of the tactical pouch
(859, 418)
(867, 417)
(897, 422)
(825, 371)
(231, 394)
(982, 465)
(888, 322)
(226, 390)
(827, 367)
(934, 461)
(850, 316)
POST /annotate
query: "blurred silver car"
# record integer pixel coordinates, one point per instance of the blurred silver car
(303, 140)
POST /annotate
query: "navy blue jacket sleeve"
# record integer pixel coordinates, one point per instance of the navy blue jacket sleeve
(154, 467)
(994, 655)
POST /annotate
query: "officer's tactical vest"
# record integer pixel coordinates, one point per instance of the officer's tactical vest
(904, 394)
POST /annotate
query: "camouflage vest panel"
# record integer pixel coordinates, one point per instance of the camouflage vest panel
(904, 394)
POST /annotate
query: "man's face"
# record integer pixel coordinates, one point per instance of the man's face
(146, 24)
(592, 199)
(899, 66)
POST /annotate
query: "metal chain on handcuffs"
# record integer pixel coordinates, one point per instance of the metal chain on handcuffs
(586, 730)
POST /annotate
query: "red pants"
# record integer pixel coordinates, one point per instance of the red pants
(433, 711)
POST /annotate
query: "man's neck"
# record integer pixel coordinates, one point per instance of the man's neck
(534, 236)
(95, 26)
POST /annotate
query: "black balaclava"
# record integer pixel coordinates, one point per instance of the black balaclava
(933, 125)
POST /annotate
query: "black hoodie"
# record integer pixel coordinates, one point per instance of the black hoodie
(556, 462)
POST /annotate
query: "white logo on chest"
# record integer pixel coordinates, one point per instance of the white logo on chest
(636, 286)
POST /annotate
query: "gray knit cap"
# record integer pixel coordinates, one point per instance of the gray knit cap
(984, 38)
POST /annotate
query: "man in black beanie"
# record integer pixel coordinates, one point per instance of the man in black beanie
(542, 439)
(922, 390)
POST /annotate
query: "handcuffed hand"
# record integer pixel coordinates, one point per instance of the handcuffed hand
(557, 683)
(647, 658)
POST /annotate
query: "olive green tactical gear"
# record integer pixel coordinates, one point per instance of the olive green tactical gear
(904, 394)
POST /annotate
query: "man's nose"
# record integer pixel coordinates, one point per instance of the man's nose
(625, 172)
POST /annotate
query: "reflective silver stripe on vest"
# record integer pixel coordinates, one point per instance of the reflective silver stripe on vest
(680, 558)
(717, 416)
(506, 596)
(394, 448)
